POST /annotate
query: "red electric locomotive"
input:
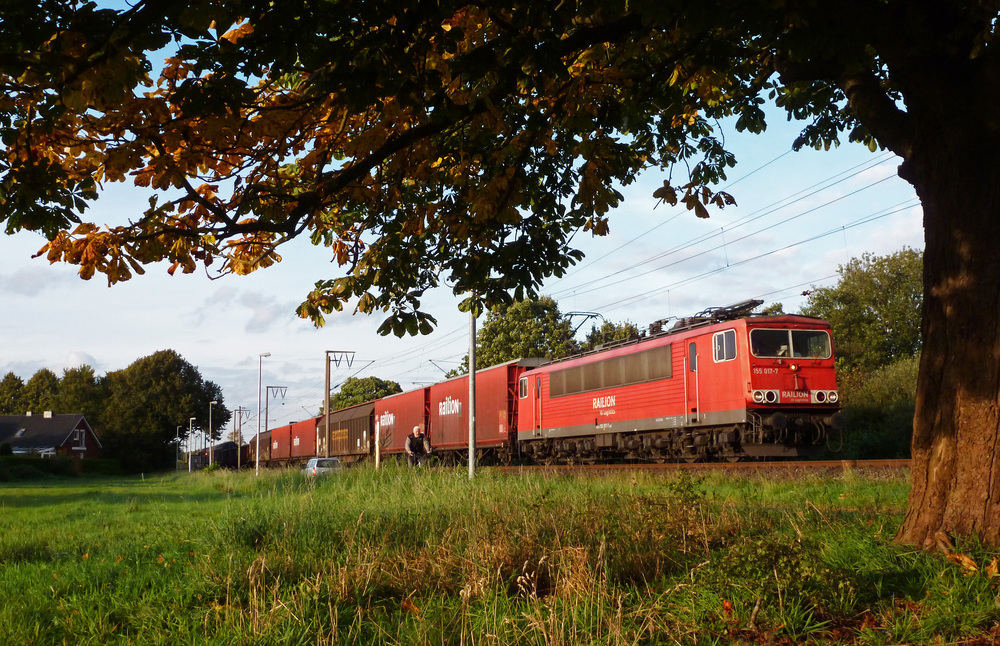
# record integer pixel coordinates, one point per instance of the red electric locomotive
(720, 385)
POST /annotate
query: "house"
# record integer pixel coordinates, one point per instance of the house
(48, 435)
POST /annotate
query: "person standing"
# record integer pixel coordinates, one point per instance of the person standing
(417, 447)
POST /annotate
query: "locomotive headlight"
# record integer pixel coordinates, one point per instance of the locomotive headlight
(758, 396)
(834, 397)
(821, 397)
(794, 367)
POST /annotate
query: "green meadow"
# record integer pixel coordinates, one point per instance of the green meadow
(426, 557)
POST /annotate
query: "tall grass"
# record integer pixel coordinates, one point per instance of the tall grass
(426, 557)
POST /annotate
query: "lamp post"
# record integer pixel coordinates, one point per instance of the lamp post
(177, 448)
(190, 433)
(472, 392)
(211, 453)
(260, 374)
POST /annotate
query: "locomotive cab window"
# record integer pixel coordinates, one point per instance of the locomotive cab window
(811, 344)
(523, 390)
(724, 344)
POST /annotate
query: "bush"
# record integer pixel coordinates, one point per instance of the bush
(879, 407)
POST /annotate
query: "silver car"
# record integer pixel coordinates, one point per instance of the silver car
(322, 466)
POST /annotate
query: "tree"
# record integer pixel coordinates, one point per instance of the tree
(482, 139)
(874, 309)
(528, 328)
(607, 333)
(80, 391)
(41, 392)
(148, 401)
(357, 390)
(11, 387)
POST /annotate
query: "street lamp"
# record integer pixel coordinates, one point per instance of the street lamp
(177, 448)
(190, 433)
(260, 374)
(211, 440)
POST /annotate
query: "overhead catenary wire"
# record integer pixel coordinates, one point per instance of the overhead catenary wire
(435, 348)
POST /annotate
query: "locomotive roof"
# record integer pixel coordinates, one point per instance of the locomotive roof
(741, 312)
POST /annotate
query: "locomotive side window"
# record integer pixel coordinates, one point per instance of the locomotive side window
(633, 368)
(724, 344)
(813, 344)
(523, 388)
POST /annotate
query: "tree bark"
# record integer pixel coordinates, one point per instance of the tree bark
(956, 436)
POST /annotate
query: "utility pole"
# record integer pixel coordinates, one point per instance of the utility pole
(279, 391)
(241, 414)
(336, 356)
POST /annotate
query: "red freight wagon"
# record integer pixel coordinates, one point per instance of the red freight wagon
(758, 386)
(351, 432)
(395, 417)
(303, 440)
(496, 408)
(281, 444)
(264, 440)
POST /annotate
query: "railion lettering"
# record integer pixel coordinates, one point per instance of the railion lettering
(450, 407)
(608, 401)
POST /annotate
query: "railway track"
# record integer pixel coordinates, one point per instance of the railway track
(800, 465)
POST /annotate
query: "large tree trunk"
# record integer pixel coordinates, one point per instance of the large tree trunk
(956, 435)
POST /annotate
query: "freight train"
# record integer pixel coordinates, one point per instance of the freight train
(723, 385)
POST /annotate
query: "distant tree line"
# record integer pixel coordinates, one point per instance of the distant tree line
(139, 413)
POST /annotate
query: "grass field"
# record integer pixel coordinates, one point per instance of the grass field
(403, 557)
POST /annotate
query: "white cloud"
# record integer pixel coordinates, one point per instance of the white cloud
(78, 358)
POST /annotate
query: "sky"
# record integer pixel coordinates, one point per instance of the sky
(799, 216)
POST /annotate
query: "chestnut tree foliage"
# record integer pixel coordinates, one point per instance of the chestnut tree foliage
(425, 141)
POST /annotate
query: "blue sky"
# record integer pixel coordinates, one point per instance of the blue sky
(798, 217)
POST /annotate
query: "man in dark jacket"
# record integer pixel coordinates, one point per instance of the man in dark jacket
(417, 447)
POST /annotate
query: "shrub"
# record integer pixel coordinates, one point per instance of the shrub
(879, 407)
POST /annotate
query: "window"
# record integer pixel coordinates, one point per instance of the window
(634, 368)
(724, 344)
(20, 432)
(811, 344)
(523, 388)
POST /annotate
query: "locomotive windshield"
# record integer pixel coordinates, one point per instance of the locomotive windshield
(813, 344)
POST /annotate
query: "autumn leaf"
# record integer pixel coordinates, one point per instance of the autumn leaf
(967, 564)
(410, 607)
